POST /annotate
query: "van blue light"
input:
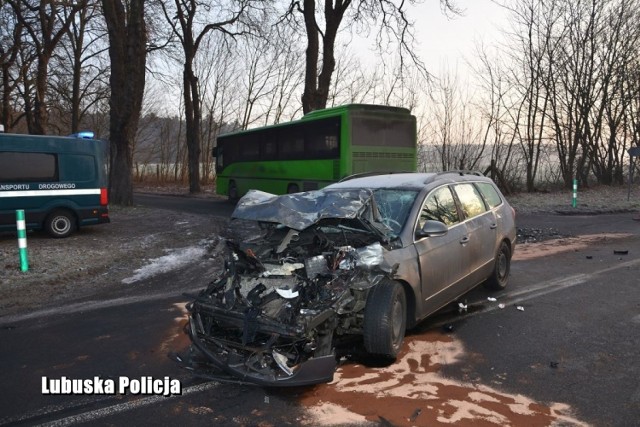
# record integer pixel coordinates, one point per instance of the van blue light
(85, 134)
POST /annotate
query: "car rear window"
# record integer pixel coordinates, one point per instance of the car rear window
(490, 194)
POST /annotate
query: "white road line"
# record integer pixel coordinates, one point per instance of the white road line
(127, 406)
(94, 305)
(552, 286)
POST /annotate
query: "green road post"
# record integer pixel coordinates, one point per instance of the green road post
(22, 240)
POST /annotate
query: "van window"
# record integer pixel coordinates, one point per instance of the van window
(28, 167)
(77, 167)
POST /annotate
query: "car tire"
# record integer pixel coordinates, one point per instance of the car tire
(232, 192)
(385, 319)
(502, 265)
(293, 188)
(60, 223)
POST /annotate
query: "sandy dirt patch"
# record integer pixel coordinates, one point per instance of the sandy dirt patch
(413, 392)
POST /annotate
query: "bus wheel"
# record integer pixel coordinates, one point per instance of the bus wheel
(233, 191)
(60, 223)
(293, 188)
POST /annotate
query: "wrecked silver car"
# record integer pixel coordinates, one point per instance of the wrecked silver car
(309, 273)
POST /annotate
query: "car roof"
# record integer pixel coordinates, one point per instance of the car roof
(407, 180)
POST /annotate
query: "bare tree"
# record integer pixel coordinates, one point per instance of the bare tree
(127, 50)
(80, 77)
(11, 33)
(321, 34)
(46, 22)
(186, 27)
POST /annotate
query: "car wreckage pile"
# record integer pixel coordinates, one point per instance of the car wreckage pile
(294, 287)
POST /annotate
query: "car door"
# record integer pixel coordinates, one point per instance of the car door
(440, 257)
(481, 226)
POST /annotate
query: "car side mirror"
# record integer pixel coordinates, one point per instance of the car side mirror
(432, 228)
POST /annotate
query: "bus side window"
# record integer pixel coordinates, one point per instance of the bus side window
(269, 146)
(322, 139)
(291, 143)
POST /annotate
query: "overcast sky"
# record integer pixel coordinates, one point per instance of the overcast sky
(445, 41)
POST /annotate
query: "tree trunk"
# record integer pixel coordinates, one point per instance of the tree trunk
(192, 118)
(40, 122)
(127, 50)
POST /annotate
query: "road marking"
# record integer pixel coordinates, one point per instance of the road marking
(555, 285)
(127, 406)
(94, 305)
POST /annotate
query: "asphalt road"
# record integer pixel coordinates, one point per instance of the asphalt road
(574, 342)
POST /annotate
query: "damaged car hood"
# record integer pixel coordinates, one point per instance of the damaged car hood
(299, 211)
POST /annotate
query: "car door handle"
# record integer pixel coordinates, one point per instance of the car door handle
(464, 240)
(493, 226)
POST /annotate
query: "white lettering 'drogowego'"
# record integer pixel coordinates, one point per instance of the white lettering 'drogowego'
(57, 186)
(124, 385)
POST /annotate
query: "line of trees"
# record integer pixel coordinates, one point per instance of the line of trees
(558, 99)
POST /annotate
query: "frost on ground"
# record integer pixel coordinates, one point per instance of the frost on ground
(139, 242)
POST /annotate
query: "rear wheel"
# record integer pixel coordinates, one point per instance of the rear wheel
(385, 319)
(60, 223)
(500, 275)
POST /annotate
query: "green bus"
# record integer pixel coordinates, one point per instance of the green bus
(322, 147)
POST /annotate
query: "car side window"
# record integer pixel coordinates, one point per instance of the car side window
(490, 194)
(470, 200)
(439, 206)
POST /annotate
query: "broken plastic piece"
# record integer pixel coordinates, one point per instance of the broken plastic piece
(462, 307)
(519, 307)
(501, 305)
(285, 269)
(621, 252)
(281, 360)
(287, 293)
(370, 256)
(492, 299)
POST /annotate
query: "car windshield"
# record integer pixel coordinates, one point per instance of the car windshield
(394, 206)
(301, 210)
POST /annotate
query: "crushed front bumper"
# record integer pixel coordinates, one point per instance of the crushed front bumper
(314, 370)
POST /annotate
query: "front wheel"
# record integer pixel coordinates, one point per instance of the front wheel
(500, 274)
(385, 319)
(293, 188)
(60, 223)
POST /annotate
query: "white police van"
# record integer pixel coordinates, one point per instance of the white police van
(60, 182)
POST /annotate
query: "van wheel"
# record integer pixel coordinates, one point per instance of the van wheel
(233, 191)
(293, 188)
(500, 274)
(385, 319)
(60, 223)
